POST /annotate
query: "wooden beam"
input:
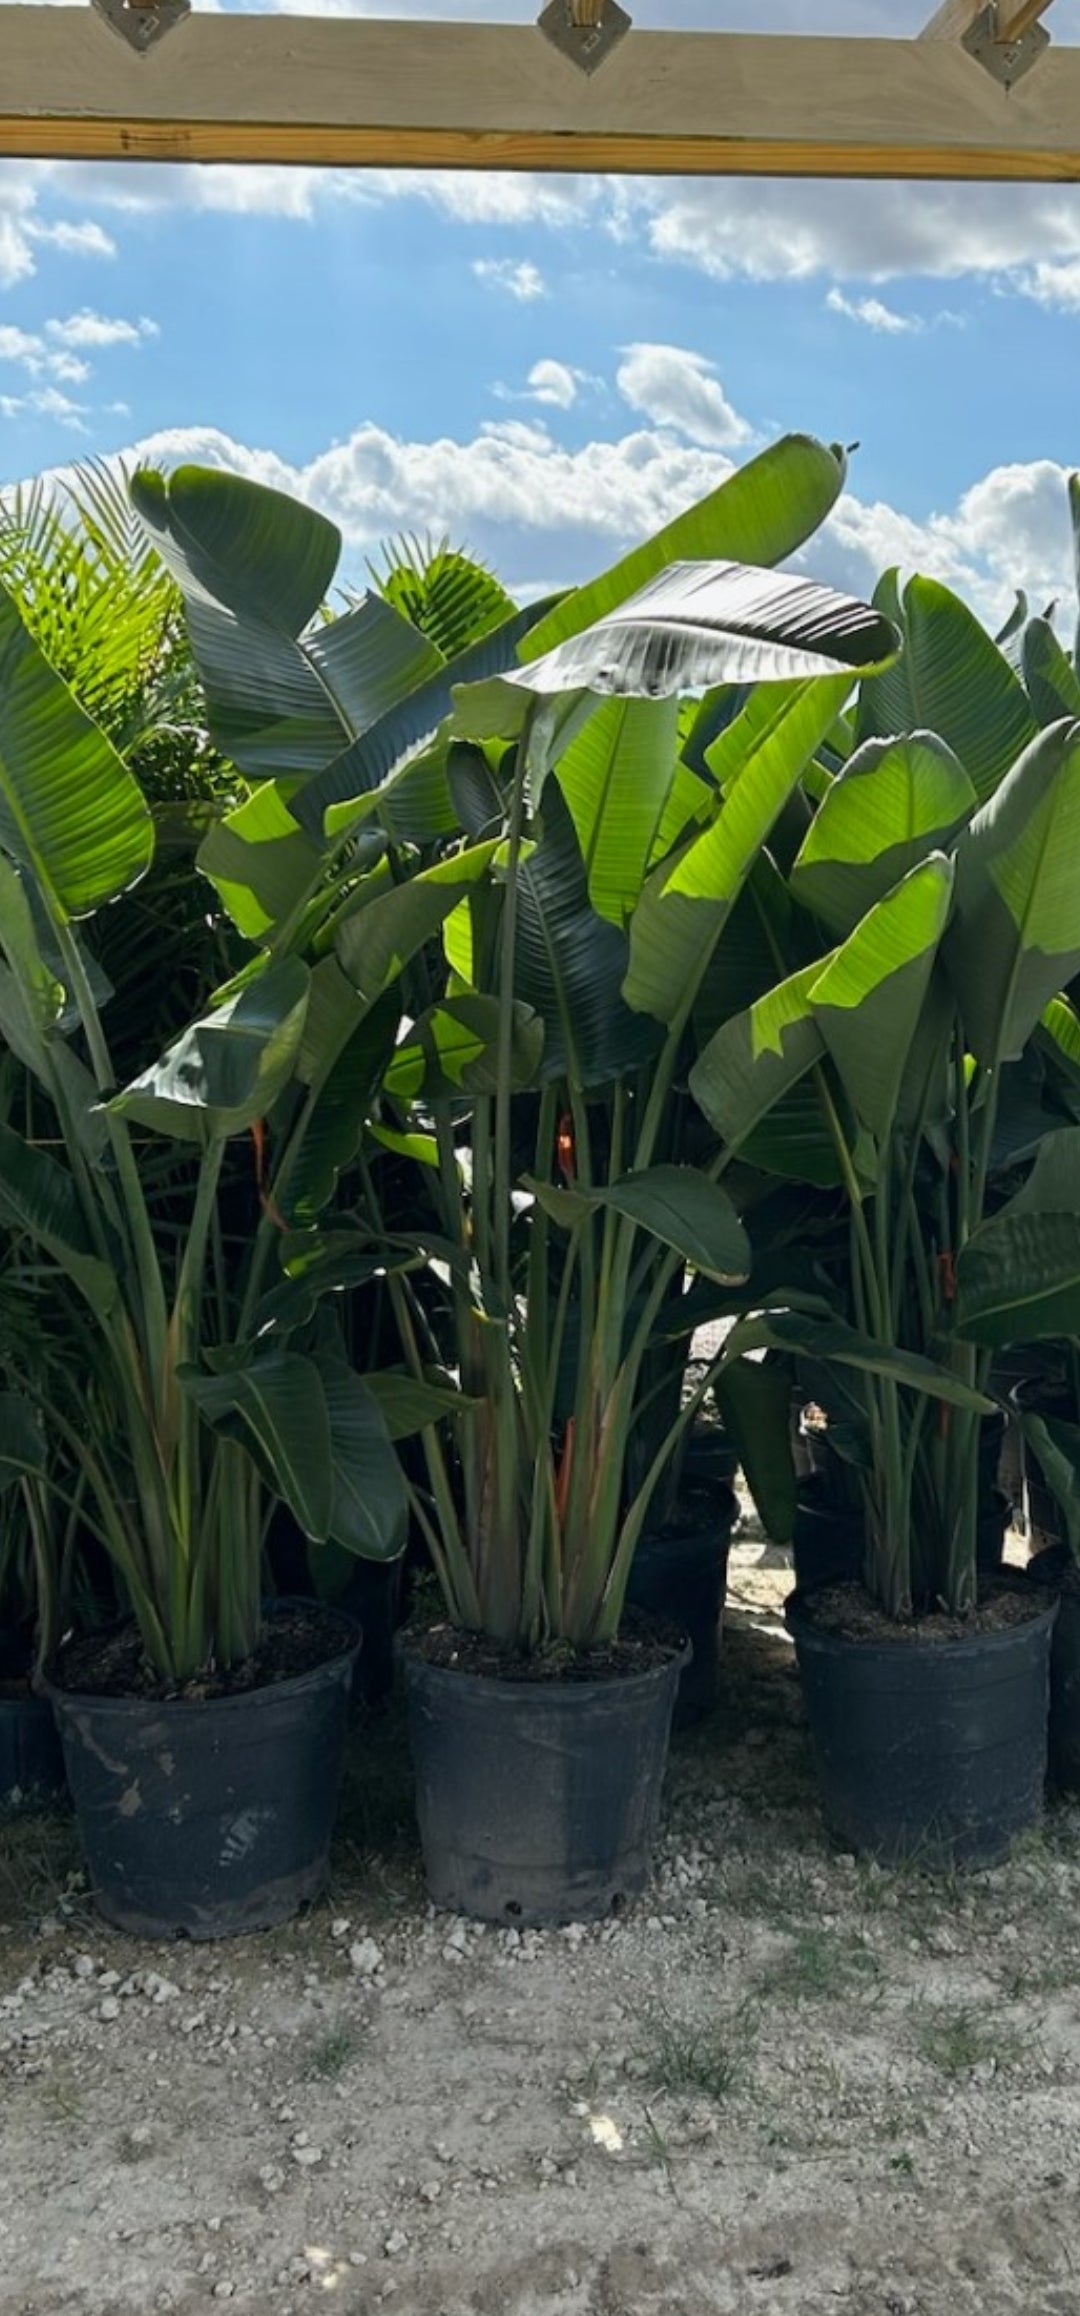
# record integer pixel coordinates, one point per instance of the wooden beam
(366, 93)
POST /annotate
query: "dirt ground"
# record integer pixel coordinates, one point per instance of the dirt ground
(788, 2084)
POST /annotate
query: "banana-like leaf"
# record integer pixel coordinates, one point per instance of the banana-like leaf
(71, 815)
(678, 1206)
(343, 1097)
(754, 1399)
(827, 1340)
(38, 1197)
(408, 1406)
(275, 1407)
(1053, 686)
(1015, 938)
(894, 801)
(698, 624)
(229, 1068)
(375, 943)
(451, 1052)
(755, 1059)
(1058, 1035)
(369, 1507)
(22, 1441)
(391, 743)
(950, 679)
(761, 514)
(616, 775)
(1018, 1277)
(260, 862)
(686, 904)
(868, 1000)
(570, 962)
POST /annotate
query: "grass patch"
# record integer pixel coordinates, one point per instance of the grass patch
(330, 2056)
(957, 2038)
(709, 2060)
(822, 1966)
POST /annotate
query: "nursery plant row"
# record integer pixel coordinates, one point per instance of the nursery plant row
(420, 1016)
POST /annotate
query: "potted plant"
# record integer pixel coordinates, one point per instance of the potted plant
(526, 1090)
(539, 1720)
(203, 1739)
(946, 887)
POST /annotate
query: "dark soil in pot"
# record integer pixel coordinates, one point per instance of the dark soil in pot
(31, 1756)
(209, 1813)
(538, 1798)
(930, 1738)
(680, 1573)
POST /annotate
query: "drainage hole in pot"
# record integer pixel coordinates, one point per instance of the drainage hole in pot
(512, 1906)
(618, 1903)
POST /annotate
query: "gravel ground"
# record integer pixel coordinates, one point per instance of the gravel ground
(786, 2084)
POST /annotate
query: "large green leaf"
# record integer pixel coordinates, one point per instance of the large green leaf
(616, 775)
(678, 1206)
(893, 802)
(1015, 940)
(754, 1399)
(369, 1508)
(254, 567)
(408, 1406)
(390, 744)
(275, 1407)
(451, 1051)
(570, 962)
(229, 1068)
(259, 861)
(759, 515)
(1018, 1277)
(950, 679)
(71, 815)
(757, 1057)
(685, 905)
(832, 1339)
(38, 1196)
(1053, 686)
(698, 624)
(374, 944)
(868, 999)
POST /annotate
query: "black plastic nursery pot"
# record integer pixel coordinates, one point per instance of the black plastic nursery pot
(537, 1801)
(680, 1573)
(931, 1752)
(32, 1773)
(209, 1817)
(1055, 1567)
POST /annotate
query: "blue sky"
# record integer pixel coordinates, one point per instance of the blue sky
(546, 368)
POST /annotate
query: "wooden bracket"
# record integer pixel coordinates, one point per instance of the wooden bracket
(142, 23)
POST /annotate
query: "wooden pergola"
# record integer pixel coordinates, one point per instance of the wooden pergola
(981, 94)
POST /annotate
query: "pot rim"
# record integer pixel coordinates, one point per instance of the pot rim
(802, 1629)
(489, 1684)
(252, 1698)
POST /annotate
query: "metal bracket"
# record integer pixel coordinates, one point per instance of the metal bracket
(586, 31)
(142, 22)
(1006, 60)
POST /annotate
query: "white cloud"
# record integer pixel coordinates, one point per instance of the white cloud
(555, 382)
(523, 280)
(40, 360)
(675, 387)
(873, 314)
(45, 402)
(97, 330)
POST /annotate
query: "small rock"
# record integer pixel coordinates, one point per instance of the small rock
(224, 2290)
(340, 1926)
(307, 2156)
(365, 1957)
(430, 2190)
(396, 2243)
(83, 1966)
(109, 2009)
